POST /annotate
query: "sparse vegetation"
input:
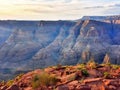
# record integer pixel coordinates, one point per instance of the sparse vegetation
(68, 71)
(9, 82)
(91, 63)
(106, 74)
(85, 72)
(60, 75)
(43, 79)
(81, 66)
(115, 66)
(35, 82)
(108, 64)
(19, 76)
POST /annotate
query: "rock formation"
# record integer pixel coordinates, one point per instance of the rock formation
(27, 45)
(78, 77)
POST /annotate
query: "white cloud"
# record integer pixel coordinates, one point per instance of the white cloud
(56, 9)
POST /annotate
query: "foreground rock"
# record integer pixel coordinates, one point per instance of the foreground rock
(79, 77)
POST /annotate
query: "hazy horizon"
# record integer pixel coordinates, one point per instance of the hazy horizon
(56, 10)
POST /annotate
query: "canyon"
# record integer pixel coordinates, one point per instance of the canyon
(29, 45)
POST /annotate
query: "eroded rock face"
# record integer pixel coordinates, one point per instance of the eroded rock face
(35, 44)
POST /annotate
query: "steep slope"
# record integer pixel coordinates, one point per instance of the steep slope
(52, 53)
(25, 40)
(6, 29)
(85, 40)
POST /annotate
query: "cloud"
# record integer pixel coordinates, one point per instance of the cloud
(94, 7)
(39, 11)
(114, 5)
(56, 9)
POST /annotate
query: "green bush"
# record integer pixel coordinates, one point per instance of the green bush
(43, 79)
(35, 82)
(106, 75)
(85, 72)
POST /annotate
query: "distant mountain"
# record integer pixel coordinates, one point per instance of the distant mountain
(27, 45)
(101, 18)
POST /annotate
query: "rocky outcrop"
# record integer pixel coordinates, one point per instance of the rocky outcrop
(78, 77)
(106, 59)
(26, 45)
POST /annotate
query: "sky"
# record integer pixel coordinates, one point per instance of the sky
(56, 9)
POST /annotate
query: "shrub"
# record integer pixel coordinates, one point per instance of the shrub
(81, 66)
(9, 83)
(106, 75)
(115, 66)
(43, 79)
(91, 64)
(85, 72)
(35, 82)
